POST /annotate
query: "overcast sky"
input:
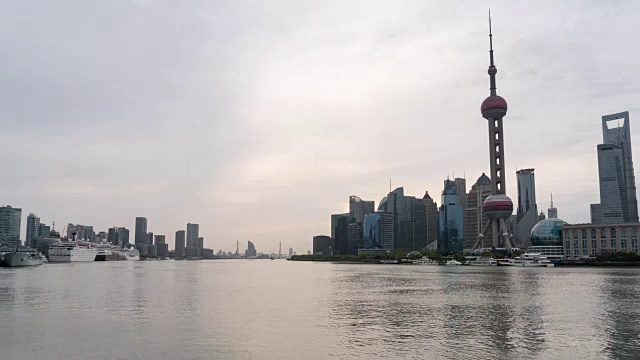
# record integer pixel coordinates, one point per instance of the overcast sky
(258, 120)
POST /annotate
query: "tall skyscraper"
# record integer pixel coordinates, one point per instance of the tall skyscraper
(461, 190)
(409, 218)
(339, 232)
(290, 252)
(431, 209)
(180, 243)
(616, 130)
(527, 214)
(498, 206)
(251, 250)
(43, 231)
(450, 221)
(10, 219)
(553, 212)
(358, 208)
(355, 237)
(474, 216)
(33, 227)
(149, 240)
(159, 239)
(141, 230)
(192, 235)
(378, 231)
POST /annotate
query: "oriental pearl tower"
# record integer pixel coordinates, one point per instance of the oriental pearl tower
(497, 206)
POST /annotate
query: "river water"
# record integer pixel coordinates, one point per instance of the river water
(265, 309)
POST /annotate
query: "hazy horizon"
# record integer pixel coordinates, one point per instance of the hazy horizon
(257, 121)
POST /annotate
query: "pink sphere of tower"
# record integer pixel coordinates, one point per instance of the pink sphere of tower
(498, 206)
(494, 107)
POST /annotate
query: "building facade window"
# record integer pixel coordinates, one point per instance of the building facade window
(603, 233)
(603, 244)
(593, 244)
(575, 252)
(584, 233)
(623, 244)
(613, 244)
(613, 232)
(584, 251)
(575, 233)
(593, 251)
(634, 245)
(575, 244)
(584, 244)
(567, 248)
(593, 233)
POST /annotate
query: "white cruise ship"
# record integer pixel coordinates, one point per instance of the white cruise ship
(71, 251)
(23, 257)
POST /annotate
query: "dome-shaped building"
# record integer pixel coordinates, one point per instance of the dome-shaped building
(547, 232)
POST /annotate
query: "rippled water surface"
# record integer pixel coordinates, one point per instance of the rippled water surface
(264, 309)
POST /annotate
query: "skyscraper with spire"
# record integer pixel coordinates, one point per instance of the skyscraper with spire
(498, 206)
(553, 211)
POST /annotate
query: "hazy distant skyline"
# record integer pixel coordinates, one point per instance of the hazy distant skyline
(257, 121)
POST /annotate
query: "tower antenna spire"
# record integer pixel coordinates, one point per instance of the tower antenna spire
(492, 67)
(490, 40)
(551, 199)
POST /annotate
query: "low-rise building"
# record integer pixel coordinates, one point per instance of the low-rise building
(589, 240)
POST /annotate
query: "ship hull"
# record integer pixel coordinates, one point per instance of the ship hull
(20, 260)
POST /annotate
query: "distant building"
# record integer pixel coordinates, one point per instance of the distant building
(474, 216)
(191, 252)
(553, 211)
(10, 219)
(339, 232)
(33, 227)
(180, 243)
(149, 240)
(588, 240)
(409, 220)
(163, 250)
(44, 230)
(152, 250)
(82, 232)
(141, 231)
(596, 214)
(378, 231)
(192, 235)
(159, 239)
(546, 237)
(251, 250)
(358, 208)
(431, 209)
(527, 212)
(322, 244)
(354, 238)
(200, 243)
(290, 252)
(207, 253)
(450, 220)
(618, 198)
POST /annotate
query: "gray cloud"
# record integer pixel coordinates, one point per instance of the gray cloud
(259, 120)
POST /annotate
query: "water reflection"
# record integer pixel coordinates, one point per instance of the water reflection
(622, 293)
(427, 311)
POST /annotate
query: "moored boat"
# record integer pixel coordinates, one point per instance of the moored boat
(23, 257)
(453, 262)
(530, 260)
(72, 251)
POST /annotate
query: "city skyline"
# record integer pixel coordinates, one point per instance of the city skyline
(266, 148)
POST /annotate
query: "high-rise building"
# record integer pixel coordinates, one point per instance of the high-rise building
(527, 213)
(149, 240)
(474, 216)
(358, 208)
(43, 230)
(410, 220)
(461, 190)
(498, 206)
(141, 230)
(33, 226)
(251, 250)
(354, 237)
(290, 252)
(180, 243)
(322, 244)
(378, 231)
(82, 232)
(431, 209)
(339, 224)
(10, 219)
(192, 235)
(552, 211)
(200, 243)
(450, 221)
(112, 235)
(159, 239)
(618, 198)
